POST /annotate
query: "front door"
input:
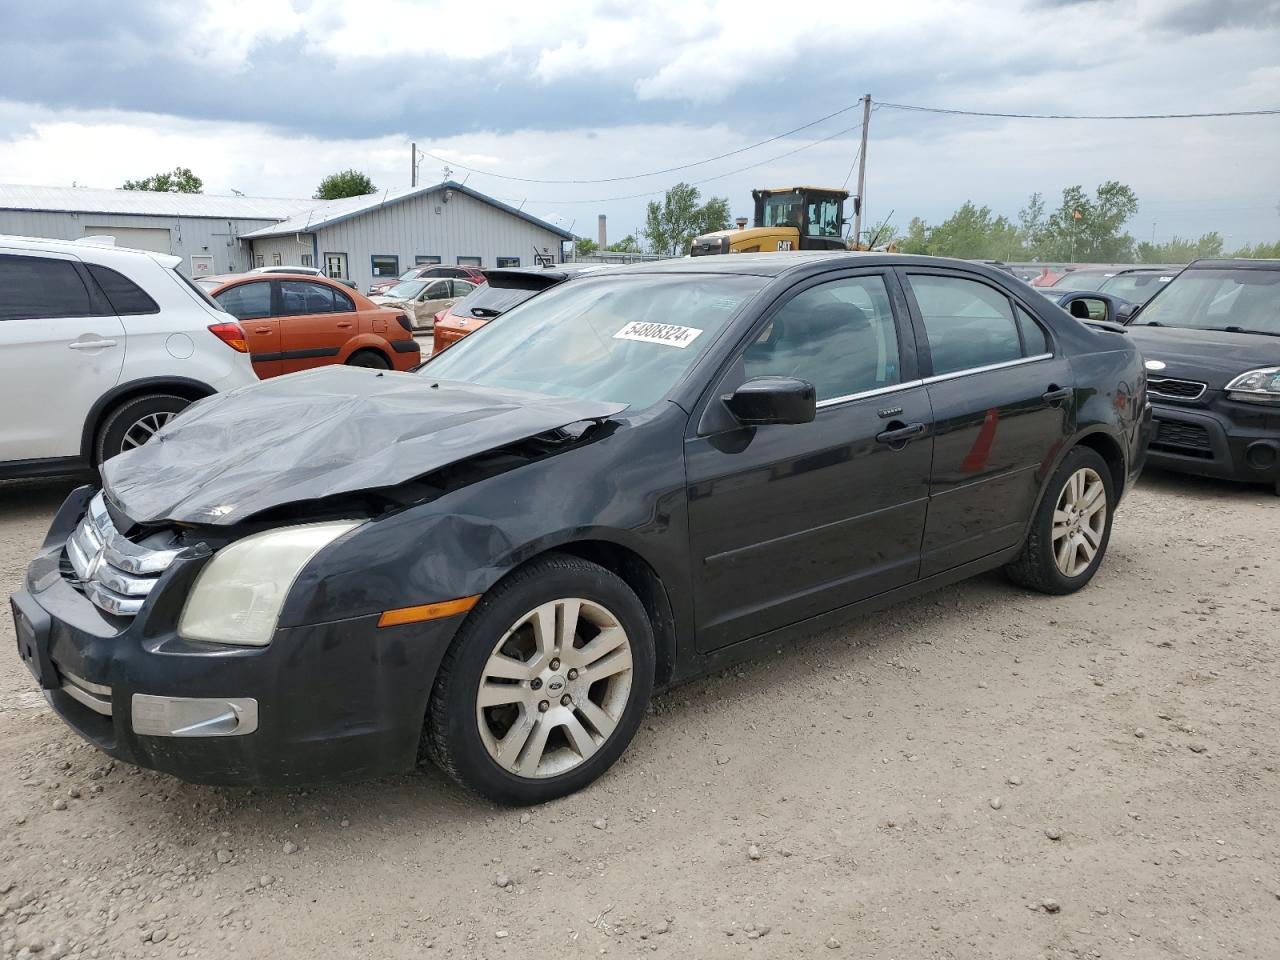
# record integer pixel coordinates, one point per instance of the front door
(63, 349)
(436, 296)
(250, 303)
(789, 521)
(1002, 402)
(316, 321)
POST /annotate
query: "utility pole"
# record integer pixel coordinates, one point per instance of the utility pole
(862, 173)
(413, 165)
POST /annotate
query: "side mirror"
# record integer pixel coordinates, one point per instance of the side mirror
(764, 400)
(1127, 311)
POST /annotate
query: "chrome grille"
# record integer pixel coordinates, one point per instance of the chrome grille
(115, 573)
(1170, 388)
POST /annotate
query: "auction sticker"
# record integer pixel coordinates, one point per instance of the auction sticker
(667, 334)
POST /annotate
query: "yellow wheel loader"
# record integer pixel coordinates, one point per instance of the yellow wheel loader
(788, 218)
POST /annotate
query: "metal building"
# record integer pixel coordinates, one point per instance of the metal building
(205, 231)
(380, 235)
(359, 238)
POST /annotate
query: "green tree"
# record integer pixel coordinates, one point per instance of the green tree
(628, 244)
(177, 180)
(1179, 250)
(1258, 251)
(585, 246)
(1087, 228)
(971, 233)
(344, 183)
(671, 225)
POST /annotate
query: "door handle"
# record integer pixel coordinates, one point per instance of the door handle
(1055, 394)
(90, 344)
(261, 329)
(900, 434)
(344, 325)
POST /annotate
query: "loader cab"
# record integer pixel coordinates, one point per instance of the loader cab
(816, 214)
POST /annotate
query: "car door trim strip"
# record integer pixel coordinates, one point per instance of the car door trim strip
(878, 391)
(939, 378)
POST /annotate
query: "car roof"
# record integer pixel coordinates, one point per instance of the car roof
(777, 264)
(1234, 264)
(87, 247)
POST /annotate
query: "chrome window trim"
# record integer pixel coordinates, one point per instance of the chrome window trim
(878, 391)
(970, 371)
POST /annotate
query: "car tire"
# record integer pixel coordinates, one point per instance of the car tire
(552, 735)
(369, 358)
(133, 422)
(1071, 529)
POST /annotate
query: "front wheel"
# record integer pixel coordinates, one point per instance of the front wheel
(1071, 529)
(135, 422)
(544, 685)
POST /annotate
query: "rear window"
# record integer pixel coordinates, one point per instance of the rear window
(126, 297)
(486, 301)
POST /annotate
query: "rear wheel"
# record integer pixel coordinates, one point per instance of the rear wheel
(1071, 529)
(369, 358)
(544, 685)
(135, 422)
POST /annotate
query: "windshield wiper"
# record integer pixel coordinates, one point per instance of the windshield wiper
(1148, 323)
(486, 312)
(1235, 329)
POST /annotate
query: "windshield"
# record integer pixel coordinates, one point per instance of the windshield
(626, 339)
(1136, 287)
(1084, 279)
(488, 302)
(1241, 301)
(406, 290)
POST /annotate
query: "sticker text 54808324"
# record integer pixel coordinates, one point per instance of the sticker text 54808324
(667, 334)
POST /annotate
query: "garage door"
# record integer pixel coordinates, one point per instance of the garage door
(155, 239)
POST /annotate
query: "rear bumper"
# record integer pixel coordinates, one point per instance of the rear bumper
(334, 701)
(1220, 441)
(405, 354)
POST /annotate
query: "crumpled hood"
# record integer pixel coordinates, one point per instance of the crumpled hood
(1210, 356)
(318, 433)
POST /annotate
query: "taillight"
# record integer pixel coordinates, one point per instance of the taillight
(232, 334)
(403, 320)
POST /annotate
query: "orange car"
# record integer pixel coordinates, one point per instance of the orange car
(505, 289)
(295, 322)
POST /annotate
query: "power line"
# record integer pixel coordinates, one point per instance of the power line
(651, 173)
(1080, 116)
(696, 183)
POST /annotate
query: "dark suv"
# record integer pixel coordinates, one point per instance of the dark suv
(1211, 338)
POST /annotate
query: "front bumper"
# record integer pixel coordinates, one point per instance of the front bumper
(1225, 439)
(334, 701)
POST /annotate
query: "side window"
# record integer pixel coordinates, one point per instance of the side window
(462, 287)
(34, 288)
(436, 290)
(840, 336)
(968, 324)
(300, 297)
(341, 302)
(248, 301)
(126, 297)
(1034, 339)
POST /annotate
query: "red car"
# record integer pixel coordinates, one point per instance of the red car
(426, 271)
(297, 322)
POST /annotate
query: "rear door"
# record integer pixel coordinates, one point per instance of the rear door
(63, 348)
(790, 521)
(1003, 404)
(316, 321)
(438, 295)
(251, 304)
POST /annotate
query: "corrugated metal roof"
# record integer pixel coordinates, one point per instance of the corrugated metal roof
(147, 203)
(325, 213)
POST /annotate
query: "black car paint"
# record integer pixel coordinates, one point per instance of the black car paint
(1066, 298)
(732, 536)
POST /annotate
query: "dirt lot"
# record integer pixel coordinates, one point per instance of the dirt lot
(984, 773)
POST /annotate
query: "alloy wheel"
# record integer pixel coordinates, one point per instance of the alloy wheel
(554, 687)
(1079, 521)
(142, 430)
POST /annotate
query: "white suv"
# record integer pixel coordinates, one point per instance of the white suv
(99, 348)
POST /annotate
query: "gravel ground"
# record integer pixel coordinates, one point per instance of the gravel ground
(983, 773)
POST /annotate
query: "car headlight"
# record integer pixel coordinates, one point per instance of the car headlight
(1256, 386)
(238, 595)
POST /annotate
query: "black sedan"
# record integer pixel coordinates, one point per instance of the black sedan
(1211, 338)
(640, 475)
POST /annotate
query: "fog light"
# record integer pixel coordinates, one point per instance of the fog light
(194, 716)
(1261, 455)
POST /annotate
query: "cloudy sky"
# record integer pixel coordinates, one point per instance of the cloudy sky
(267, 96)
